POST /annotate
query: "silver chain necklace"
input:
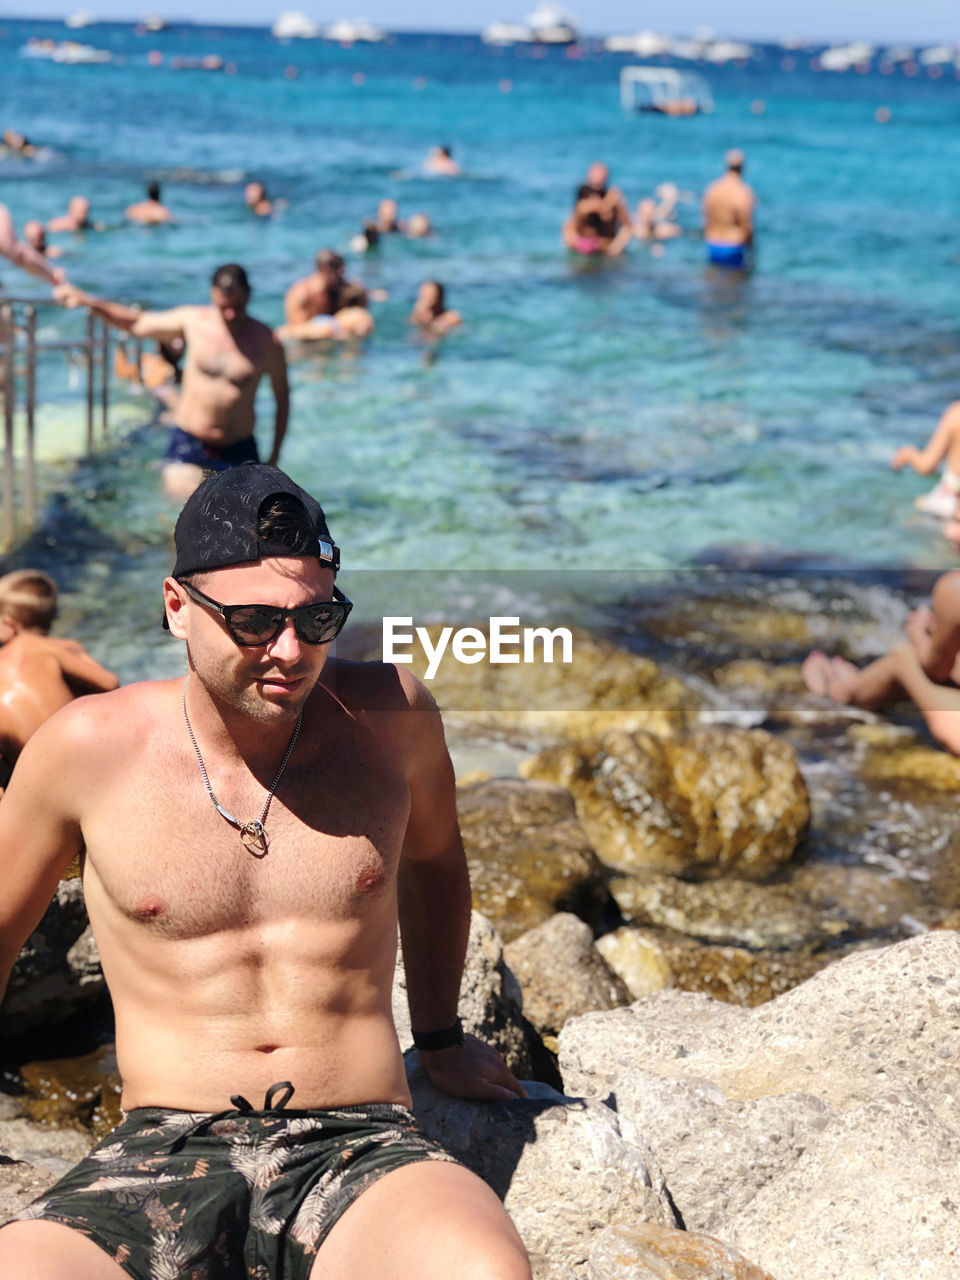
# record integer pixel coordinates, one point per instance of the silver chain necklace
(253, 837)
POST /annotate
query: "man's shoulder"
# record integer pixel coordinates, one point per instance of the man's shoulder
(383, 687)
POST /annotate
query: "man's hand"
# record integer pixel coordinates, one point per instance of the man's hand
(68, 295)
(471, 1070)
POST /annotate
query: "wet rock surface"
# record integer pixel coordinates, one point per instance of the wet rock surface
(651, 1252)
(721, 801)
(528, 855)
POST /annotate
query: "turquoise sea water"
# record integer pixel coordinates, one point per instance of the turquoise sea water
(630, 415)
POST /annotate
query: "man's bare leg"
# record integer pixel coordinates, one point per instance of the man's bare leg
(426, 1221)
(37, 1250)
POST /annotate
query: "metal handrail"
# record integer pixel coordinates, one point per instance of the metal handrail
(96, 350)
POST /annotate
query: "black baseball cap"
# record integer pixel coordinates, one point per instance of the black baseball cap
(218, 524)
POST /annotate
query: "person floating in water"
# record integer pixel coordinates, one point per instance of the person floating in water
(653, 220)
(38, 673)
(440, 163)
(430, 312)
(728, 208)
(151, 212)
(228, 352)
(925, 667)
(943, 446)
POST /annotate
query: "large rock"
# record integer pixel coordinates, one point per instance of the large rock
(527, 853)
(722, 911)
(561, 973)
(561, 1165)
(817, 1133)
(719, 802)
(647, 1251)
(57, 974)
(490, 999)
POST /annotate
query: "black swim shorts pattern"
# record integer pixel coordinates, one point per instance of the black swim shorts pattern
(184, 447)
(235, 1195)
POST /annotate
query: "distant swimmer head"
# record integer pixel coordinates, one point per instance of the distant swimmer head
(432, 297)
(35, 235)
(387, 214)
(330, 264)
(419, 226)
(254, 192)
(598, 175)
(735, 160)
(230, 292)
(79, 209)
(153, 191)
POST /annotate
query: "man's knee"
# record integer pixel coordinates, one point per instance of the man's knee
(38, 1250)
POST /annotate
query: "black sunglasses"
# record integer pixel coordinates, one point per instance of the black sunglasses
(253, 624)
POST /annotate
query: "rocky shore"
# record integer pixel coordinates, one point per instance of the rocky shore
(714, 928)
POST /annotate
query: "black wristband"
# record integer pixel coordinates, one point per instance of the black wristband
(444, 1039)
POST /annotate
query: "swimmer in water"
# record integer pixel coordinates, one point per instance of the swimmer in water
(36, 237)
(653, 220)
(18, 144)
(430, 312)
(419, 226)
(440, 163)
(943, 446)
(77, 217)
(367, 239)
(256, 199)
(150, 212)
(728, 207)
(387, 220)
(594, 226)
(38, 674)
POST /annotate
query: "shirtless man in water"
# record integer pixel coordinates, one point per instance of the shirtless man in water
(24, 255)
(925, 667)
(728, 205)
(151, 212)
(228, 352)
(251, 957)
(38, 674)
(317, 294)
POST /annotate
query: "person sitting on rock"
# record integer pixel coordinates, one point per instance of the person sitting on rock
(925, 667)
(38, 674)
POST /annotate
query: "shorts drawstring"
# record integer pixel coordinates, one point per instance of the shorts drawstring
(274, 1100)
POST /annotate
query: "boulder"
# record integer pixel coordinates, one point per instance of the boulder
(561, 1165)
(57, 974)
(490, 999)
(817, 1133)
(911, 763)
(561, 973)
(638, 957)
(648, 1251)
(719, 802)
(722, 911)
(528, 855)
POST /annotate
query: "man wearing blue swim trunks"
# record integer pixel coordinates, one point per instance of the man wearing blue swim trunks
(251, 838)
(228, 352)
(728, 206)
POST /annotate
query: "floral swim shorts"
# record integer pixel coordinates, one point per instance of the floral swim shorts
(234, 1195)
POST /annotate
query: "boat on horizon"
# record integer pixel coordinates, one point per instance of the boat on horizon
(80, 19)
(68, 51)
(357, 31)
(295, 25)
(548, 24)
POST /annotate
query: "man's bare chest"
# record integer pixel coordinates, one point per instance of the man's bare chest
(168, 859)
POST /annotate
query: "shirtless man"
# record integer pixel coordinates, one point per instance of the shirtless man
(430, 311)
(925, 666)
(387, 218)
(256, 199)
(36, 237)
(24, 255)
(77, 217)
(150, 212)
(440, 163)
(252, 957)
(317, 294)
(600, 221)
(728, 205)
(228, 352)
(38, 674)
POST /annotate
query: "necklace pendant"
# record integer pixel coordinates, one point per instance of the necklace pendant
(253, 837)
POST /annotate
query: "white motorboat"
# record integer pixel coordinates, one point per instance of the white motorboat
(506, 33)
(294, 25)
(359, 31)
(79, 19)
(645, 44)
(549, 24)
(64, 51)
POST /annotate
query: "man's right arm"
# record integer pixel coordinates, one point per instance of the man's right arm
(39, 835)
(163, 325)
